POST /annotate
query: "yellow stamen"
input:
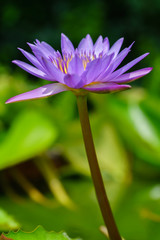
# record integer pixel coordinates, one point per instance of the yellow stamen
(65, 69)
(55, 62)
(63, 64)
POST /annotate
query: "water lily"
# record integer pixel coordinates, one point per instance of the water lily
(88, 68)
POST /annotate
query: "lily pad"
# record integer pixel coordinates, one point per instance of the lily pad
(7, 222)
(39, 233)
(30, 134)
(138, 129)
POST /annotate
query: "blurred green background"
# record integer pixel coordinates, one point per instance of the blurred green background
(42, 159)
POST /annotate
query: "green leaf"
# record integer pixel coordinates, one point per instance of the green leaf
(144, 126)
(30, 134)
(7, 222)
(138, 215)
(111, 154)
(138, 129)
(83, 221)
(38, 234)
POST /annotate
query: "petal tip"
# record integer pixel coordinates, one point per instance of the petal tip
(31, 45)
(10, 100)
(21, 50)
(14, 61)
(88, 37)
(121, 40)
(66, 44)
(126, 86)
(37, 41)
(131, 45)
(63, 35)
(150, 69)
(146, 54)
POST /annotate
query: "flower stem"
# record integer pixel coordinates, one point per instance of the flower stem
(95, 170)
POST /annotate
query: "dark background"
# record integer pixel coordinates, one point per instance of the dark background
(23, 21)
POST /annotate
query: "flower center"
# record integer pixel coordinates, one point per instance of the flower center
(62, 63)
(86, 57)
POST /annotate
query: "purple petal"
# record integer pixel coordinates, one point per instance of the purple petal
(73, 81)
(39, 53)
(116, 47)
(37, 42)
(128, 77)
(106, 87)
(121, 57)
(66, 45)
(40, 50)
(53, 72)
(32, 70)
(106, 45)
(76, 66)
(125, 68)
(86, 44)
(98, 46)
(45, 48)
(31, 58)
(96, 69)
(45, 91)
(91, 71)
(49, 48)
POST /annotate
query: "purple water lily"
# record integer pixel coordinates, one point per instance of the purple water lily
(88, 68)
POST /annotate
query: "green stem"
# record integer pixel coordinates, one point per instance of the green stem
(95, 170)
